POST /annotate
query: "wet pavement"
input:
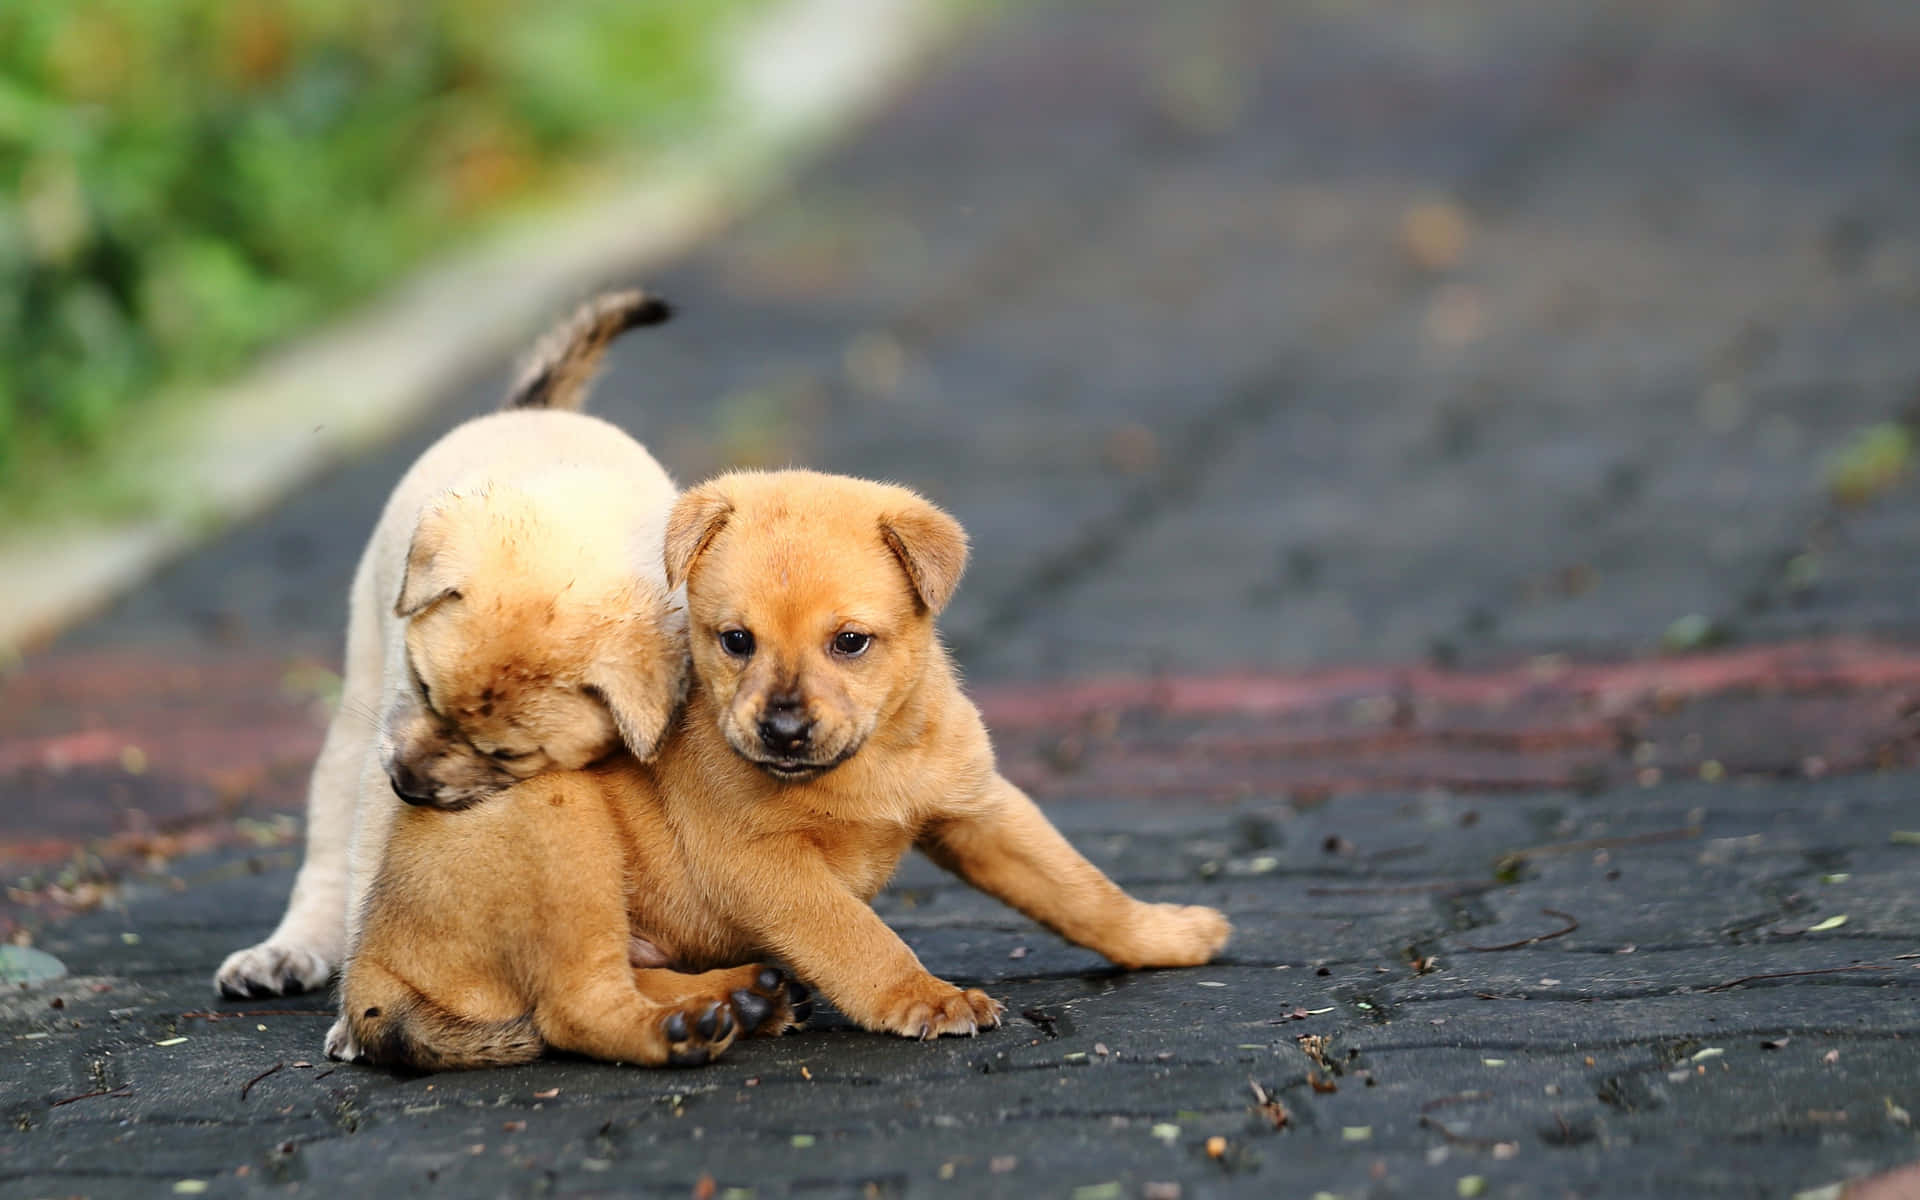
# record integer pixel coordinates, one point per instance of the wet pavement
(1401, 453)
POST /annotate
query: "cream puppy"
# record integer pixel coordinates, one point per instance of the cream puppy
(509, 616)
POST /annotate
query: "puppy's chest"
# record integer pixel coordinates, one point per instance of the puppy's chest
(861, 856)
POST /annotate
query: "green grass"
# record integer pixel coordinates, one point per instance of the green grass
(184, 181)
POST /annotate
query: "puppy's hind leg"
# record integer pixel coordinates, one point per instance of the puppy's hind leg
(390, 1023)
(1013, 852)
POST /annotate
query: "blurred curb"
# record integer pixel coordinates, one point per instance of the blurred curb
(799, 74)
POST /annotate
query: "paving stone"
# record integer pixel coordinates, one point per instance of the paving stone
(1319, 580)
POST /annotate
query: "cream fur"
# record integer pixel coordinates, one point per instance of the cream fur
(551, 508)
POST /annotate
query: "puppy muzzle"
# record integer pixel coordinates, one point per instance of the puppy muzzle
(795, 769)
(422, 792)
(411, 786)
(786, 731)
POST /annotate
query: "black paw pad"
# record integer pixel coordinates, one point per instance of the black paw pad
(709, 1023)
(769, 979)
(753, 1008)
(676, 1027)
(799, 1002)
(692, 1056)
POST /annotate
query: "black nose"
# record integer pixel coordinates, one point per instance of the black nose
(785, 728)
(409, 784)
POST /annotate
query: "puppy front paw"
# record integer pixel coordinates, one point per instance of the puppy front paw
(1174, 935)
(932, 1008)
(272, 969)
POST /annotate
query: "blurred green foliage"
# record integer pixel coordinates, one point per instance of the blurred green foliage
(182, 181)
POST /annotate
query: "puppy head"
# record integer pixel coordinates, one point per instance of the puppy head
(810, 604)
(532, 645)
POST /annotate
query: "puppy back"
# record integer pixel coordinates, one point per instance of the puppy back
(560, 370)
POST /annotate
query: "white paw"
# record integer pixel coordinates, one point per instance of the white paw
(340, 1043)
(272, 969)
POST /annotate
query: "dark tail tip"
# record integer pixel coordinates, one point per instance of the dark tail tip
(649, 310)
(561, 368)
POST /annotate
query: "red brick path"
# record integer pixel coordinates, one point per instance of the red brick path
(131, 754)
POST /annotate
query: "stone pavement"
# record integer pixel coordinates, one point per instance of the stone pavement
(1399, 447)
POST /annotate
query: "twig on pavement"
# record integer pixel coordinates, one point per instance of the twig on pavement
(1734, 983)
(1572, 924)
(248, 1086)
(119, 1091)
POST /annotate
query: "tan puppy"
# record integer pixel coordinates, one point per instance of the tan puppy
(492, 934)
(825, 734)
(509, 616)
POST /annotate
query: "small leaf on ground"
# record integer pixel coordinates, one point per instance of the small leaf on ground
(1871, 462)
(1695, 631)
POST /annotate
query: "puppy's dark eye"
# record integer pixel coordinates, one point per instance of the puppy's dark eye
(506, 755)
(851, 644)
(737, 642)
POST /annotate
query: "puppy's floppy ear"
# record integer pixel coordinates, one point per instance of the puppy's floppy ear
(932, 548)
(641, 675)
(697, 518)
(431, 574)
(643, 704)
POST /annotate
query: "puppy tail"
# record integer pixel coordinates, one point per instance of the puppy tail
(397, 1026)
(561, 368)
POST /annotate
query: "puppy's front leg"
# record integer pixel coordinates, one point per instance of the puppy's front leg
(308, 944)
(836, 942)
(1010, 850)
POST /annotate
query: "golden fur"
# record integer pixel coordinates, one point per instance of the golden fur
(510, 615)
(813, 752)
